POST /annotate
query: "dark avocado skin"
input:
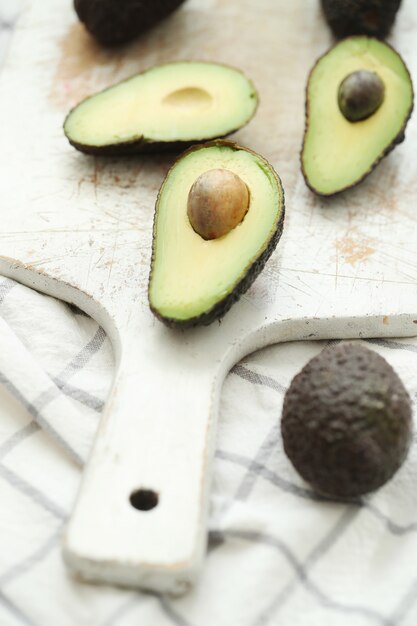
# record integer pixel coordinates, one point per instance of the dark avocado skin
(140, 146)
(346, 421)
(395, 142)
(243, 285)
(115, 22)
(360, 17)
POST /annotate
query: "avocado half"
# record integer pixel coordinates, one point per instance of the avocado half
(338, 153)
(114, 22)
(360, 17)
(193, 280)
(167, 107)
(347, 421)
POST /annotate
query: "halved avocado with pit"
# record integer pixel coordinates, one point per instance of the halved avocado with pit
(341, 147)
(167, 107)
(195, 279)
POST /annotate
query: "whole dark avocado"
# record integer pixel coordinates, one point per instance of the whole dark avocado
(346, 421)
(360, 17)
(114, 23)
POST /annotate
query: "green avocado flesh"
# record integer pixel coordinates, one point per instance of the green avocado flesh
(337, 153)
(177, 103)
(193, 280)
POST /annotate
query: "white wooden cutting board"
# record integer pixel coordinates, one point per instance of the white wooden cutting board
(79, 228)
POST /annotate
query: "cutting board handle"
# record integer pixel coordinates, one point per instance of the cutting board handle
(141, 512)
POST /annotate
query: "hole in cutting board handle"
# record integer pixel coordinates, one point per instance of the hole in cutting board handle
(144, 499)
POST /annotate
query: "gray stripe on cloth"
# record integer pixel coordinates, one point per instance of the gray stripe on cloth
(7, 25)
(26, 564)
(403, 608)
(84, 397)
(29, 406)
(61, 385)
(123, 610)
(6, 286)
(45, 398)
(19, 436)
(39, 418)
(31, 492)
(393, 527)
(261, 470)
(83, 356)
(301, 572)
(309, 494)
(257, 379)
(318, 552)
(171, 613)
(215, 540)
(46, 426)
(249, 480)
(15, 611)
(75, 365)
(264, 452)
(250, 477)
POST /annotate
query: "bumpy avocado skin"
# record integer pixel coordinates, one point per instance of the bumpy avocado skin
(114, 22)
(222, 307)
(360, 17)
(346, 421)
(395, 142)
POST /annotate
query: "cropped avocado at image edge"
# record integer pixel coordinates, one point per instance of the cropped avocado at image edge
(114, 23)
(360, 17)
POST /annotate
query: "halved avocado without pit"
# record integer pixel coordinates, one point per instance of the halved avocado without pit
(195, 278)
(359, 100)
(167, 107)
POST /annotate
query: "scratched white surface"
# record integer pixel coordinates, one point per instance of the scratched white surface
(87, 223)
(96, 215)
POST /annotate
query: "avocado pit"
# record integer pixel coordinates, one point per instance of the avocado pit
(188, 98)
(360, 95)
(218, 201)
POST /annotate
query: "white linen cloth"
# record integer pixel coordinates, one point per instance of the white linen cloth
(277, 554)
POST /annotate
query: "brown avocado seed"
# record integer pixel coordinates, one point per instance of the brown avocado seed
(217, 203)
(360, 95)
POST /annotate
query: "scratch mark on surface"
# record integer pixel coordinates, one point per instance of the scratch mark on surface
(344, 276)
(112, 259)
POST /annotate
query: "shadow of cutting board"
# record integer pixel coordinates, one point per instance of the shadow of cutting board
(80, 228)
